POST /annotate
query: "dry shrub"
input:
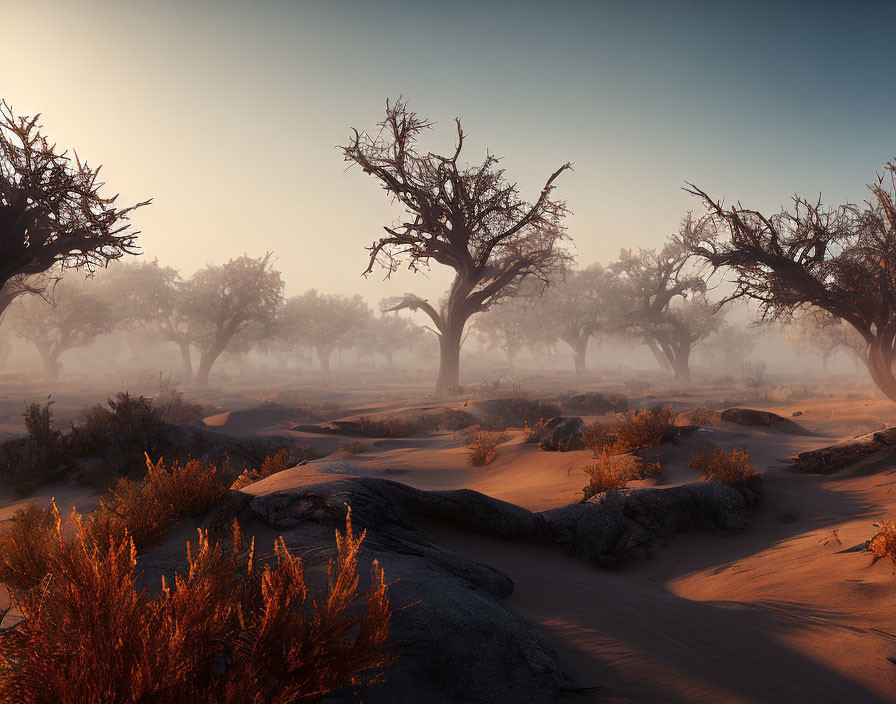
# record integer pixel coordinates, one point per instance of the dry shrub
(596, 403)
(148, 510)
(519, 412)
(702, 417)
(272, 464)
(130, 427)
(534, 431)
(607, 474)
(300, 453)
(483, 448)
(645, 429)
(228, 631)
(173, 408)
(883, 543)
(598, 438)
(729, 466)
(27, 463)
(25, 541)
(354, 448)
(405, 425)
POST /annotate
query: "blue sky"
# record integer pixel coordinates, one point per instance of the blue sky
(229, 114)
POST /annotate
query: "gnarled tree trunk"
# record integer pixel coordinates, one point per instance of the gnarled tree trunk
(206, 361)
(186, 362)
(449, 359)
(323, 357)
(880, 365)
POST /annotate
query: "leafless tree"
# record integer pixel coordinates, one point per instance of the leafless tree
(506, 326)
(655, 284)
(468, 218)
(152, 296)
(388, 333)
(585, 303)
(74, 317)
(322, 322)
(52, 211)
(842, 260)
(816, 331)
(223, 301)
(728, 346)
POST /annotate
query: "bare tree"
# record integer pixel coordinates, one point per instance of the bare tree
(729, 345)
(655, 282)
(816, 331)
(322, 322)
(388, 333)
(52, 212)
(151, 295)
(75, 317)
(468, 218)
(506, 326)
(842, 260)
(584, 304)
(221, 302)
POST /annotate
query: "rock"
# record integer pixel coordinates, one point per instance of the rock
(454, 638)
(796, 414)
(835, 457)
(766, 419)
(560, 433)
(613, 527)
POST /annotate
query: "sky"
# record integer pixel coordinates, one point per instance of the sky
(229, 115)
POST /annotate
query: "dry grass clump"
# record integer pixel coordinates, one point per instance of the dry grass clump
(228, 631)
(354, 448)
(483, 447)
(729, 466)
(148, 510)
(599, 437)
(596, 403)
(883, 543)
(607, 474)
(280, 460)
(25, 544)
(646, 428)
(26, 463)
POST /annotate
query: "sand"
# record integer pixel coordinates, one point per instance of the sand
(773, 614)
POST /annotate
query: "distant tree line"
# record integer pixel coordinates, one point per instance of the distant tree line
(828, 274)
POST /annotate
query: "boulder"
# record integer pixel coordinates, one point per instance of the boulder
(827, 460)
(454, 638)
(560, 433)
(764, 419)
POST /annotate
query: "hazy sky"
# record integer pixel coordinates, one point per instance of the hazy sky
(228, 114)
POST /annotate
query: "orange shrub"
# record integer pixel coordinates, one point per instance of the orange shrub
(227, 631)
(731, 467)
(149, 509)
(483, 448)
(607, 474)
(883, 544)
(599, 437)
(645, 429)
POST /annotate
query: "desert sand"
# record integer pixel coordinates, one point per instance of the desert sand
(775, 613)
